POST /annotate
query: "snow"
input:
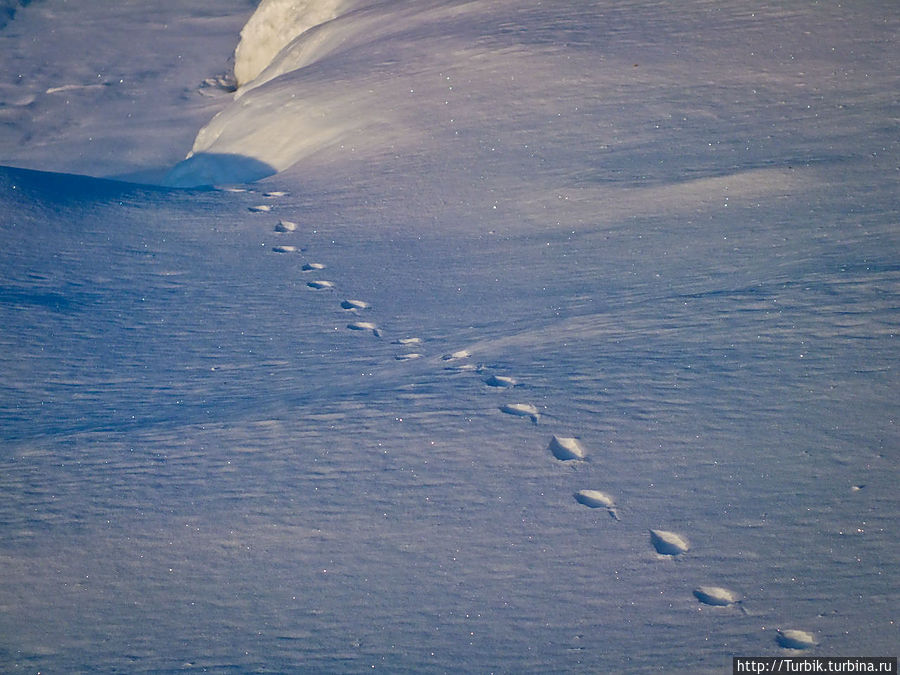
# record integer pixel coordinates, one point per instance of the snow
(112, 89)
(565, 449)
(669, 543)
(674, 231)
(716, 596)
(274, 25)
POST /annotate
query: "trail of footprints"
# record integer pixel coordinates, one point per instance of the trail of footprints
(564, 449)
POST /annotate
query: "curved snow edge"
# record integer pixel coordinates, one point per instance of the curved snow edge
(274, 25)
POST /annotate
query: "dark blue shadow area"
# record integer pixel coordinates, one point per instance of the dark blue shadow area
(46, 187)
(208, 169)
(23, 298)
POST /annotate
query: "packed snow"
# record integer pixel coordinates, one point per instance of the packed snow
(528, 258)
(272, 27)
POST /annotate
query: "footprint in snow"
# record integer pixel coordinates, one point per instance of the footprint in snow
(796, 639)
(280, 248)
(566, 448)
(500, 381)
(521, 410)
(597, 500)
(716, 596)
(408, 342)
(285, 226)
(460, 354)
(365, 325)
(260, 208)
(274, 193)
(312, 266)
(354, 304)
(668, 543)
(465, 368)
(320, 285)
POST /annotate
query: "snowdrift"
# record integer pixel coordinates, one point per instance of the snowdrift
(274, 24)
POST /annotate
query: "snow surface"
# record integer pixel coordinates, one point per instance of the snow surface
(675, 230)
(274, 24)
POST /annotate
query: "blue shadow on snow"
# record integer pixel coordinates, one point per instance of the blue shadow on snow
(206, 169)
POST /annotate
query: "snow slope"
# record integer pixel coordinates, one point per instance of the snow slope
(675, 231)
(113, 89)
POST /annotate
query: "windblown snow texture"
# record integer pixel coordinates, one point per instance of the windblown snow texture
(500, 254)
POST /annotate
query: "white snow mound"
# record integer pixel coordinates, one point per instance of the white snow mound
(274, 24)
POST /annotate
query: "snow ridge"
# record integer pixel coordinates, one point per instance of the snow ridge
(273, 25)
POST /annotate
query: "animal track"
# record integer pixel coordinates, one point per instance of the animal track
(521, 410)
(796, 639)
(716, 596)
(365, 325)
(596, 499)
(464, 368)
(500, 381)
(668, 543)
(565, 449)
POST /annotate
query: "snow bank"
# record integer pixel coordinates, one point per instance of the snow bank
(275, 24)
(517, 104)
(312, 83)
